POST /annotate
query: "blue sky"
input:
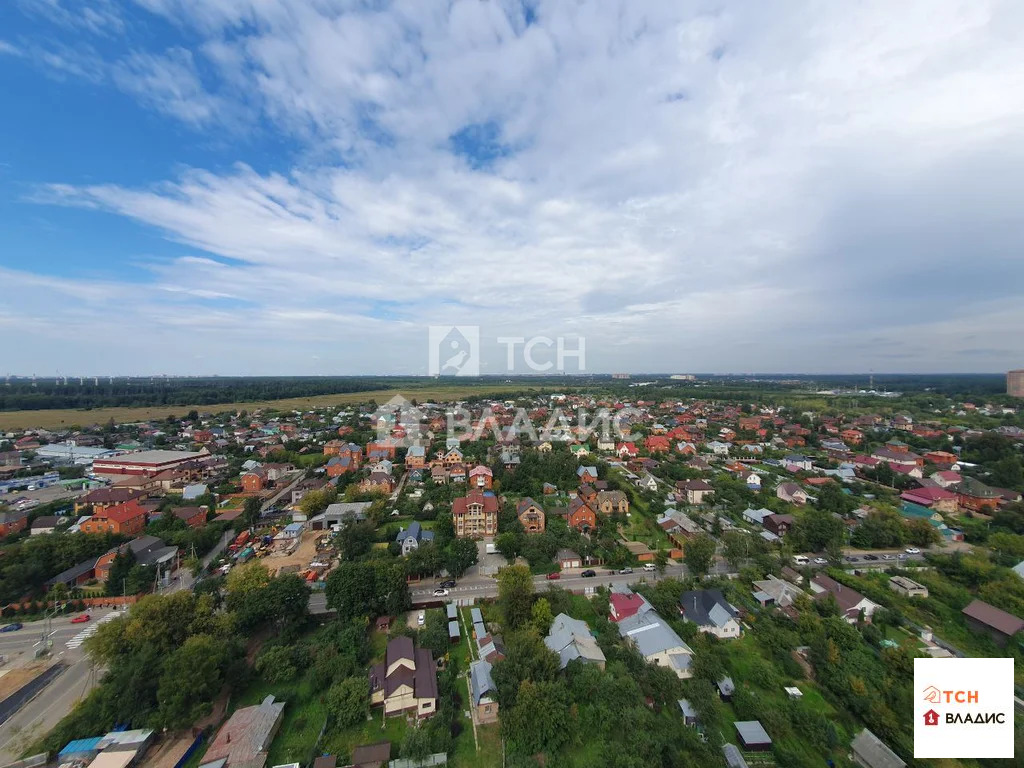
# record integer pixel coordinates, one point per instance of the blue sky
(271, 187)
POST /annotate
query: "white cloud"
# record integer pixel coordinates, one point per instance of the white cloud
(690, 190)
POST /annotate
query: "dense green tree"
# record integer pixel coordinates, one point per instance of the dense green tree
(192, 678)
(515, 595)
(699, 554)
(348, 702)
(540, 720)
(368, 588)
(462, 554)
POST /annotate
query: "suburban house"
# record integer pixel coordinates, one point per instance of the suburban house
(570, 639)
(851, 602)
(581, 516)
(481, 478)
(566, 559)
(711, 612)
(775, 591)
(907, 587)
(147, 551)
(45, 524)
(976, 496)
(869, 751)
(640, 625)
(416, 457)
(127, 519)
(792, 493)
(647, 482)
(778, 524)
(103, 498)
(756, 516)
(485, 692)
(410, 538)
(193, 517)
(996, 623)
(406, 681)
(935, 497)
(695, 491)
(12, 521)
(531, 515)
(796, 460)
(611, 502)
(255, 481)
(243, 741)
(587, 474)
(475, 514)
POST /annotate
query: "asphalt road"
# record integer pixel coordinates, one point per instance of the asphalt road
(57, 699)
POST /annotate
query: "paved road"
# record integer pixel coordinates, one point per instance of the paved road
(474, 586)
(57, 699)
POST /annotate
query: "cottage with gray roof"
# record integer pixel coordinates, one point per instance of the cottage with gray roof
(410, 538)
(485, 692)
(711, 612)
(571, 639)
(657, 642)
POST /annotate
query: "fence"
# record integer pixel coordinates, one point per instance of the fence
(190, 751)
(439, 758)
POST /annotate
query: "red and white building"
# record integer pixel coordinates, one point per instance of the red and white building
(145, 463)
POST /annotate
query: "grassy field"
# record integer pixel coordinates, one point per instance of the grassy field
(51, 419)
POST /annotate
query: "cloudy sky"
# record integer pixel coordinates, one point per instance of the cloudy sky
(287, 187)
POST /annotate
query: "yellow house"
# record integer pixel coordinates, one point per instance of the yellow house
(406, 682)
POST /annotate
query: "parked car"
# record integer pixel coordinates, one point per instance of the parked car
(800, 560)
(870, 557)
(553, 576)
(440, 592)
(421, 619)
(626, 570)
(588, 573)
(820, 561)
(81, 619)
(649, 567)
(888, 557)
(447, 584)
(912, 551)
(11, 627)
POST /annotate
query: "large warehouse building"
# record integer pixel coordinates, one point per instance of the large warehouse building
(145, 463)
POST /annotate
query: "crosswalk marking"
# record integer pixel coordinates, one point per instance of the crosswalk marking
(91, 630)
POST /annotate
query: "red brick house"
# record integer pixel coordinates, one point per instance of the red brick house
(626, 450)
(657, 444)
(104, 498)
(193, 517)
(380, 482)
(127, 519)
(481, 477)
(581, 516)
(13, 521)
(255, 481)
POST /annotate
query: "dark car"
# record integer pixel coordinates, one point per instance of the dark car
(11, 627)
(447, 584)
(588, 573)
(870, 557)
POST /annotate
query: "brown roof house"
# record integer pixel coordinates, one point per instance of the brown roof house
(997, 624)
(406, 682)
(371, 755)
(244, 739)
(851, 602)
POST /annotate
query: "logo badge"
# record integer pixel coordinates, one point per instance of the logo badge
(972, 699)
(454, 350)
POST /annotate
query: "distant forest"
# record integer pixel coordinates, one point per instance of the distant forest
(23, 395)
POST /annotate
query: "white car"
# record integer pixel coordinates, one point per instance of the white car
(912, 551)
(440, 593)
(820, 561)
(421, 619)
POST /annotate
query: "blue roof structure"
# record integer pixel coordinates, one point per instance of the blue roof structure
(81, 745)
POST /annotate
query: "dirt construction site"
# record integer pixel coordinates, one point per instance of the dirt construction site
(300, 558)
